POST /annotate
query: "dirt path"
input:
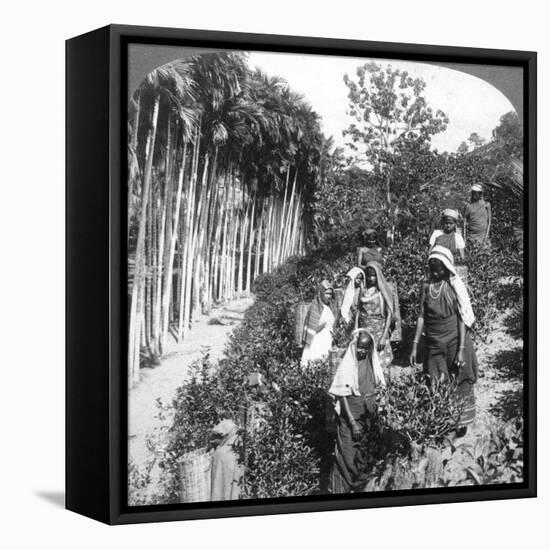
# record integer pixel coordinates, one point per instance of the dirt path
(207, 335)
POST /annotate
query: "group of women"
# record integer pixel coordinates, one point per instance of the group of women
(369, 306)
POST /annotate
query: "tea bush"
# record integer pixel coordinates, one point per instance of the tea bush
(288, 450)
(494, 458)
(413, 414)
(139, 480)
(284, 455)
(423, 412)
(495, 281)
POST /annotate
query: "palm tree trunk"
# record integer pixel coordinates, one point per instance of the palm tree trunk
(259, 241)
(215, 250)
(134, 337)
(242, 235)
(188, 256)
(250, 243)
(279, 243)
(288, 220)
(170, 262)
(135, 125)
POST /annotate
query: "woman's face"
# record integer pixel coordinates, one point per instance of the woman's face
(327, 295)
(438, 271)
(371, 277)
(449, 224)
(359, 279)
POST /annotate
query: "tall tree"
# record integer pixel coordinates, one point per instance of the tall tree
(476, 140)
(391, 115)
(229, 161)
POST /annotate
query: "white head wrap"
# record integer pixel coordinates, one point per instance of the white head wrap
(445, 256)
(350, 292)
(477, 187)
(449, 212)
(346, 379)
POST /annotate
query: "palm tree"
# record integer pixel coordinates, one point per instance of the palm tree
(223, 161)
(173, 83)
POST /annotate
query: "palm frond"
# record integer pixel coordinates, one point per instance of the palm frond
(509, 178)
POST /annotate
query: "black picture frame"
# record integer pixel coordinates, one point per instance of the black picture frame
(96, 389)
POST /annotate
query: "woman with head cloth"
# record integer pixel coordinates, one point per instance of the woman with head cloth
(376, 311)
(353, 391)
(318, 324)
(356, 283)
(371, 251)
(446, 316)
(447, 236)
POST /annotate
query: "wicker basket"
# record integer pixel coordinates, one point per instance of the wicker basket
(301, 312)
(195, 471)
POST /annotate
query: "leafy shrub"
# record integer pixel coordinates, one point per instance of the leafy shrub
(424, 413)
(198, 405)
(412, 415)
(284, 455)
(495, 282)
(498, 457)
(406, 265)
(392, 461)
(139, 480)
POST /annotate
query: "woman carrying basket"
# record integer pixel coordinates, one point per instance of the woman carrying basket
(318, 325)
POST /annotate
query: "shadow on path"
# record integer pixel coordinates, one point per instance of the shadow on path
(508, 364)
(509, 404)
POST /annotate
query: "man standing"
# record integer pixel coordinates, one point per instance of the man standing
(477, 217)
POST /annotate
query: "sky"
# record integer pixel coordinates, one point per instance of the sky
(471, 104)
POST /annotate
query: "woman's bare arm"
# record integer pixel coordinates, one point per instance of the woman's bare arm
(355, 427)
(419, 326)
(461, 340)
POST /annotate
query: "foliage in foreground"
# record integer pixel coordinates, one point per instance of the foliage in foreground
(495, 457)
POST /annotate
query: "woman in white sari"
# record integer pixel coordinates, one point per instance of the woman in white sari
(318, 325)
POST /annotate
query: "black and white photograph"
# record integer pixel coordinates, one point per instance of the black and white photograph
(325, 275)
